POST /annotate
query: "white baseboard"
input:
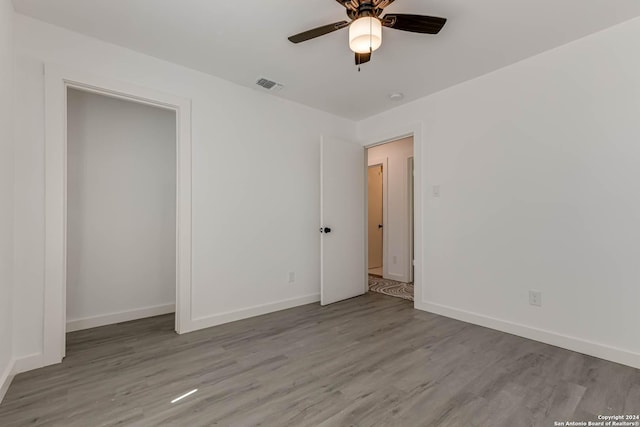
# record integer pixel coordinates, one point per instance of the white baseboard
(28, 363)
(36, 360)
(123, 316)
(590, 348)
(5, 379)
(244, 313)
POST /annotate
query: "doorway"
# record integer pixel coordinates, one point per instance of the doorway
(390, 218)
(376, 219)
(344, 263)
(58, 80)
(121, 210)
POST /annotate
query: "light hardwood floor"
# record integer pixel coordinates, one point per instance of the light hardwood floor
(371, 360)
(376, 270)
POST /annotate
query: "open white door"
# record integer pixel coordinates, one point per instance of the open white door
(342, 220)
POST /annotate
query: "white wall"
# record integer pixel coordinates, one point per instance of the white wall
(538, 165)
(121, 207)
(396, 251)
(6, 189)
(246, 236)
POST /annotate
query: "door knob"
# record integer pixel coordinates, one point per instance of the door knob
(325, 230)
(380, 225)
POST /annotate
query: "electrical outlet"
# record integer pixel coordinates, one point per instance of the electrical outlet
(292, 277)
(436, 191)
(535, 298)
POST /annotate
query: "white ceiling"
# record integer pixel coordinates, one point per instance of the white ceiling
(243, 40)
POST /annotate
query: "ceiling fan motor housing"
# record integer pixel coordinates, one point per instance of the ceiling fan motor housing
(365, 8)
(360, 8)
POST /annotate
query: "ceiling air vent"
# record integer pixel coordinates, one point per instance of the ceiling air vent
(268, 84)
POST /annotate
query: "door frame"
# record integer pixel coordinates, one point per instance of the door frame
(416, 130)
(57, 80)
(411, 219)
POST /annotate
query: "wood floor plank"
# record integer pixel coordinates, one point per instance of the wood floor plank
(368, 361)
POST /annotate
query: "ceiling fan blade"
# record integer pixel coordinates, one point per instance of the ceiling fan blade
(361, 58)
(349, 4)
(381, 4)
(317, 32)
(414, 23)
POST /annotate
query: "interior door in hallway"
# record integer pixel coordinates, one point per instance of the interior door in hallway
(375, 216)
(342, 220)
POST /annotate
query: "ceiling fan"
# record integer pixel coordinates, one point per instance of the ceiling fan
(365, 28)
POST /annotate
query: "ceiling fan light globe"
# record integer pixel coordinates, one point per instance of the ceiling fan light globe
(365, 34)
